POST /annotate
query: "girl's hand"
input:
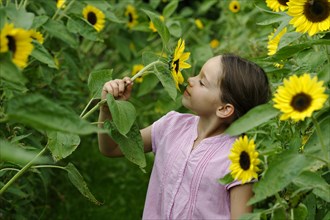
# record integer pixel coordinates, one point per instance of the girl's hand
(120, 88)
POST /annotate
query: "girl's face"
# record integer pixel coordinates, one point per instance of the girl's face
(202, 94)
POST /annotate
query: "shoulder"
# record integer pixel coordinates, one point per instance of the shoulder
(175, 119)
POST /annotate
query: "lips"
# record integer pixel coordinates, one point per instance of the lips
(186, 92)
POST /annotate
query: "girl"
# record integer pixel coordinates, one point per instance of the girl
(191, 151)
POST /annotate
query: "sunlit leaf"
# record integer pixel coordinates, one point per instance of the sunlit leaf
(164, 76)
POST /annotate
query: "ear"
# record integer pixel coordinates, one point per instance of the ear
(225, 111)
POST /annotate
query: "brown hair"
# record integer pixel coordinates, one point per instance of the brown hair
(243, 84)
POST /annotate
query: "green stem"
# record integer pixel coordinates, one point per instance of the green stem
(94, 108)
(48, 166)
(65, 10)
(140, 73)
(9, 168)
(83, 112)
(21, 172)
(319, 134)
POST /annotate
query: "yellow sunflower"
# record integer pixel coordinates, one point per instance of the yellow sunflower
(277, 5)
(310, 16)
(244, 160)
(214, 43)
(199, 24)
(132, 16)
(94, 16)
(152, 26)
(36, 35)
(135, 70)
(234, 6)
(299, 97)
(274, 41)
(178, 63)
(60, 3)
(18, 42)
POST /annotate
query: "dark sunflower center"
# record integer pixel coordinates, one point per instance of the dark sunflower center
(130, 17)
(235, 7)
(244, 160)
(317, 10)
(91, 18)
(176, 65)
(301, 102)
(11, 44)
(283, 2)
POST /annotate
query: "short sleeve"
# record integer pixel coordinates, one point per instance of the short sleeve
(237, 183)
(159, 128)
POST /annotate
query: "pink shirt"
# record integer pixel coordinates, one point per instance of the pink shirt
(184, 182)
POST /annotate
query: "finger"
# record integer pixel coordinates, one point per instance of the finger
(121, 87)
(127, 80)
(115, 88)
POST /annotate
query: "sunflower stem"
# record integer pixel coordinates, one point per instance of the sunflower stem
(21, 172)
(319, 134)
(66, 9)
(94, 109)
(141, 72)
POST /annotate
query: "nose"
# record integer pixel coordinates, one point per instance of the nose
(190, 81)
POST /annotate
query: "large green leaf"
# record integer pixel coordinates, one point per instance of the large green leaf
(164, 76)
(312, 180)
(130, 145)
(62, 144)
(41, 54)
(170, 8)
(96, 81)
(78, 25)
(281, 171)
(13, 153)
(20, 17)
(252, 118)
(9, 71)
(58, 30)
(123, 114)
(78, 181)
(41, 113)
(160, 26)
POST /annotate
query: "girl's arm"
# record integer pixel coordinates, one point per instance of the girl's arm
(239, 196)
(120, 89)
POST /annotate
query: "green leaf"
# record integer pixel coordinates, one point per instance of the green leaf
(300, 212)
(3, 18)
(20, 17)
(78, 181)
(170, 8)
(13, 153)
(96, 81)
(175, 28)
(123, 114)
(79, 25)
(130, 145)
(310, 179)
(41, 54)
(281, 171)
(41, 113)
(9, 71)
(150, 81)
(228, 178)
(251, 216)
(279, 214)
(160, 26)
(164, 76)
(39, 21)
(62, 144)
(253, 118)
(58, 30)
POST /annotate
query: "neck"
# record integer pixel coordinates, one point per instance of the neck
(209, 127)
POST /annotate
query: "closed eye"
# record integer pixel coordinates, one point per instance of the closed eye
(201, 83)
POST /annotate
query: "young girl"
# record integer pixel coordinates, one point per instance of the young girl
(191, 151)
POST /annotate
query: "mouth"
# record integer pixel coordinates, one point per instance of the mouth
(186, 93)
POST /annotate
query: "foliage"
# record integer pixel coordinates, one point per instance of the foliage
(48, 108)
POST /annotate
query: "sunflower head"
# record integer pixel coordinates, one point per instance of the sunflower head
(214, 43)
(199, 24)
(274, 41)
(18, 41)
(132, 16)
(178, 62)
(94, 16)
(299, 97)
(310, 16)
(234, 6)
(135, 70)
(60, 3)
(277, 5)
(244, 160)
(36, 35)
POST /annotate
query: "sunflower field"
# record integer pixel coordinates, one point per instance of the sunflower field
(56, 55)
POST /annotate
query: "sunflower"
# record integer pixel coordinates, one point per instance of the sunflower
(177, 63)
(94, 16)
(132, 16)
(244, 160)
(299, 97)
(18, 42)
(60, 3)
(135, 70)
(36, 35)
(152, 26)
(274, 41)
(310, 16)
(214, 43)
(277, 5)
(199, 24)
(234, 6)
